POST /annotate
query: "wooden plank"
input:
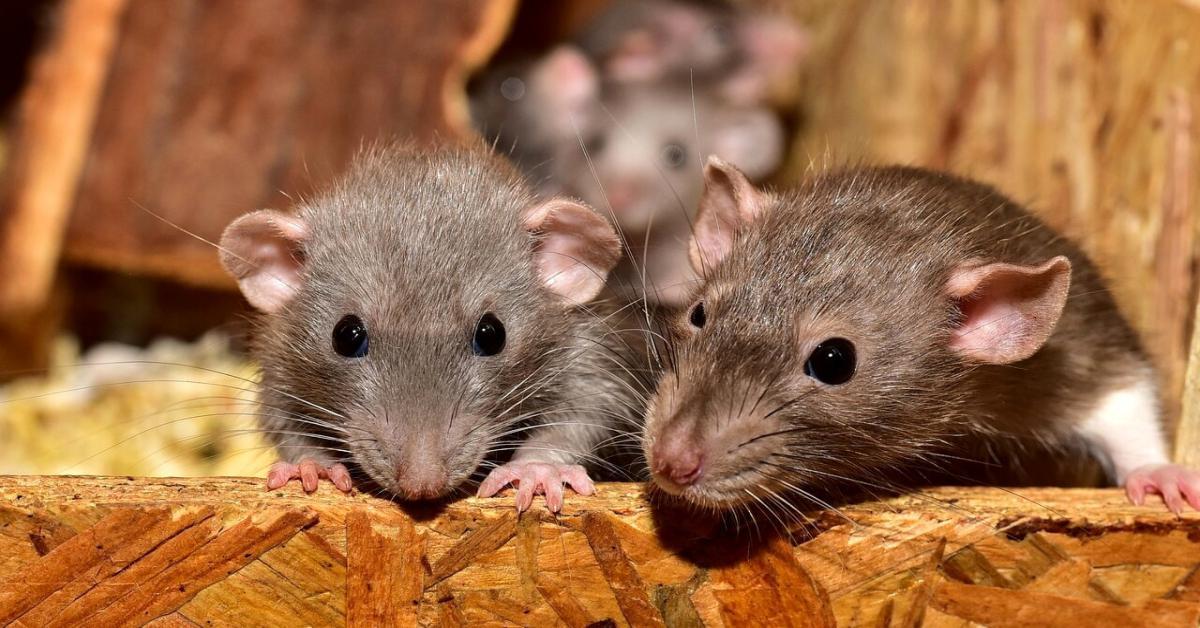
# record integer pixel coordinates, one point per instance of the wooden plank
(383, 571)
(1187, 436)
(54, 121)
(221, 551)
(270, 99)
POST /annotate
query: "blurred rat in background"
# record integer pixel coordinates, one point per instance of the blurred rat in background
(875, 320)
(621, 117)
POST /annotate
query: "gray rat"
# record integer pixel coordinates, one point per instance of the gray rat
(424, 314)
(737, 54)
(632, 151)
(873, 319)
(641, 161)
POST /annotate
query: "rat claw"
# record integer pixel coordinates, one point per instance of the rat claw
(340, 476)
(310, 473)
(279, 474)
(577, 478)
(554, 494)
(1178, 486)
(537, 478)
(525, 491)
(495, 481)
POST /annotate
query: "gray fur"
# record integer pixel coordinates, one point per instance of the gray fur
(420, 244)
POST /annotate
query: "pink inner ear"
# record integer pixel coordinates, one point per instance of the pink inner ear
(728, 202)
(576, 248)
(1009, 311)
(637, 58)
(262, 251)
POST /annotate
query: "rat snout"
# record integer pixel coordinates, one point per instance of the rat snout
(420, 467)
(622, 194)
(422, 481)
(677, 460)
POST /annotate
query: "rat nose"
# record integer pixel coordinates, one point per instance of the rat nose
(621, 194)
(421, 483)
(679, 463)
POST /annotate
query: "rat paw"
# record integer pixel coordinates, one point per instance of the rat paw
(309, 472)
(1176, 484)
(538, 478)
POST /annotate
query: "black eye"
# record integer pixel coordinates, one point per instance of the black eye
(698, 317)
(595, 144)
(489, 336)
(832, 362)
(674, 156)
(350, 337)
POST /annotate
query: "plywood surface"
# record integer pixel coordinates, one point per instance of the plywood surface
(226, 551)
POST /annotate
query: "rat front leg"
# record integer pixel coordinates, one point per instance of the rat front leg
(1125, 428)
(544, 464)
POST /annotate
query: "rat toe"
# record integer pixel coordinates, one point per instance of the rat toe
(340, 476)
(577, 478)
(280, 474)
(309, 475)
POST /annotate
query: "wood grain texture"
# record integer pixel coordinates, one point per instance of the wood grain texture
(215, 108)
(1187, 436)
(179, 552)
(55, 116)
(1084, 109)
(384, 579)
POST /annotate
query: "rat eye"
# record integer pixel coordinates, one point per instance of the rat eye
(350, 337)
(595, 144)
(832, 362)
(674, 156)
(697, 317)
(489, 336)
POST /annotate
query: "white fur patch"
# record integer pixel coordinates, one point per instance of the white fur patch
(1126, 429)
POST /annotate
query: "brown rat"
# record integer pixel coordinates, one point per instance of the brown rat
(425, 315)
(876, 319)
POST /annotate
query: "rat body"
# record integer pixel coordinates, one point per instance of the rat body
(427, 314)
(874, 320)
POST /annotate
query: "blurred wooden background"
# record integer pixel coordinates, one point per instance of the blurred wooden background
(1084, 109)
(199, 111)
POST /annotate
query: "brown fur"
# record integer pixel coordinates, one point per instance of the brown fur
(865, 254)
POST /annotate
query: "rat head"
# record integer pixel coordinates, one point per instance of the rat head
(648, 41)
(835, 333)
(643, 149)
(407, 309)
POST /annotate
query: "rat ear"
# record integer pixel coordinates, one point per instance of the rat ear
(262, 251)
(773, 47)
(729, 201)
(565, 86)
(1008, 311)
(638, 57)
(575, 250)
(751, 138)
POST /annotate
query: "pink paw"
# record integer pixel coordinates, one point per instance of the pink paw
(308, 472)
(538, 478)
(1175, 483)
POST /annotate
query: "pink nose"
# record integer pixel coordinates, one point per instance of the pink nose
(424, 483)
(620, 195)
(682, 465)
